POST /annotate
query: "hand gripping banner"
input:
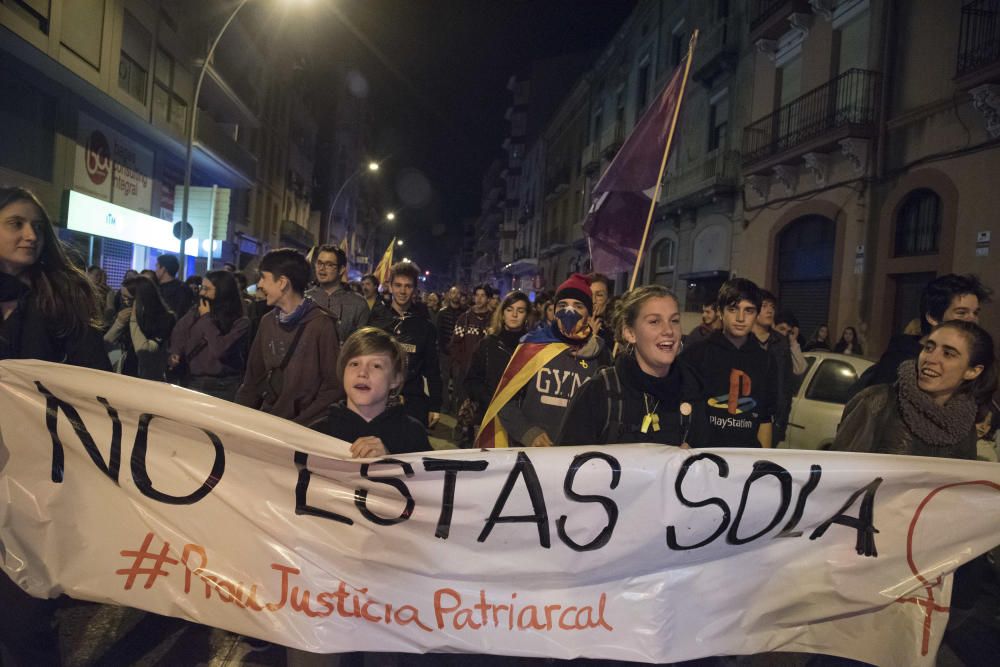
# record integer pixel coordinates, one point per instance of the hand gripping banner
(128, 492)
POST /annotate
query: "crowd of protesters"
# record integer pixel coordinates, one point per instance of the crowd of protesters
(378, 368)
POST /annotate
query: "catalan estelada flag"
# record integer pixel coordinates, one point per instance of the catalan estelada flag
(382, 270)
(536, 350)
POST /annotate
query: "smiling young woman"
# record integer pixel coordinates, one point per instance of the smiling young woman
(49, 308)
(931, 408)
(648, 395)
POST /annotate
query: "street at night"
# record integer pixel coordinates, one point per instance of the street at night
(379, 333)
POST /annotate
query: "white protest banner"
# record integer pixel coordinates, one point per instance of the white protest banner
(125, 491)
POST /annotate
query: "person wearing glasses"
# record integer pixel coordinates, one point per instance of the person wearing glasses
(331, 292)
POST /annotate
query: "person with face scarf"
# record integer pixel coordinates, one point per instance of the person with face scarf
(545, 372)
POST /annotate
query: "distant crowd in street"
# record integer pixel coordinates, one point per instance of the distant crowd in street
(377, 365)
(511, 369)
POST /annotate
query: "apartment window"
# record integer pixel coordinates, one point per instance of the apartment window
(27, 127)
(664, 259)
(620, 107)
(133, 68)
(596, 134)
(678, 48)
(918, 224)
(519, 124)
(851, 43)
(34, 11)
(168, 106)
(642, 89)
(718, 120)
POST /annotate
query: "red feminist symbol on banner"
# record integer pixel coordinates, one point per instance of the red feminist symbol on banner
(928, 603)
(140, 557)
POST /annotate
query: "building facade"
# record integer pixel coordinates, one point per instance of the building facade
(837, 152)
(95, 106)
(866, 165)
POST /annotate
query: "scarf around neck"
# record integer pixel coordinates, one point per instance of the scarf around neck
(937, 425)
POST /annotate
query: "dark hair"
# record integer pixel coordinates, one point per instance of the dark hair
(815, 335)
(341, 255)
(193, 280)
(627, 308)
(738, 289)
(405, 270)
(842, 343)
(767, 295)
(241, 280)
(786, 317)
(149, 273)
(488, 289)
(62, 293)
(227, 306)
(981, 353)
(288, 263)
(937, 296)
(372, 340)
(169, 263)
(229, 266)
(496, 322)
(599, 278)
(988, 408)
(102, 275)
(155, 319)
(371, 278)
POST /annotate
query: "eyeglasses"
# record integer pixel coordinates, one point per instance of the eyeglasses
(327, 265)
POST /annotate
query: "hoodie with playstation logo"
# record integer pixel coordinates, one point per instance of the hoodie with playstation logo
(740, 390)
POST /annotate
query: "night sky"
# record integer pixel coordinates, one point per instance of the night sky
(437, 71)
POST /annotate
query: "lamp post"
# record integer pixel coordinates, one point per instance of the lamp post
(372, 167)
(190, 135)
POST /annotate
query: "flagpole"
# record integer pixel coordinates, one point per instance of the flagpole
(663, 162)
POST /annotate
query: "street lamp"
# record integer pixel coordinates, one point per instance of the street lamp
(372, 168)
(390, 216)
(399, 241)
(191, 130)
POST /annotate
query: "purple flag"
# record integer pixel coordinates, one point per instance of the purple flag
(621, 199)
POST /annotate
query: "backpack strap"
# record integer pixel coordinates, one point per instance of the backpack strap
(616, 404)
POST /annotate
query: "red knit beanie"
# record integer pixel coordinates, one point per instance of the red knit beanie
(577, 286)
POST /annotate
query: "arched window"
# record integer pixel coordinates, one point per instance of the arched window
(662, 261)
(918, 224)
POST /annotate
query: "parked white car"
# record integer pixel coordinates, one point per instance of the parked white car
(819, 400)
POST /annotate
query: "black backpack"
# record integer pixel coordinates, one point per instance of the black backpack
(616, 404)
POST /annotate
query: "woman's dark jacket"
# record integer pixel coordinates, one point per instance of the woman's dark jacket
(591, 416)
(488, 364)
(27, 335)
(872, 423)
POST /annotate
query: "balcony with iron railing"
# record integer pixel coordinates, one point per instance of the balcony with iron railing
(769, 18)
(846, 106)
(979, 44)
(715, 173)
